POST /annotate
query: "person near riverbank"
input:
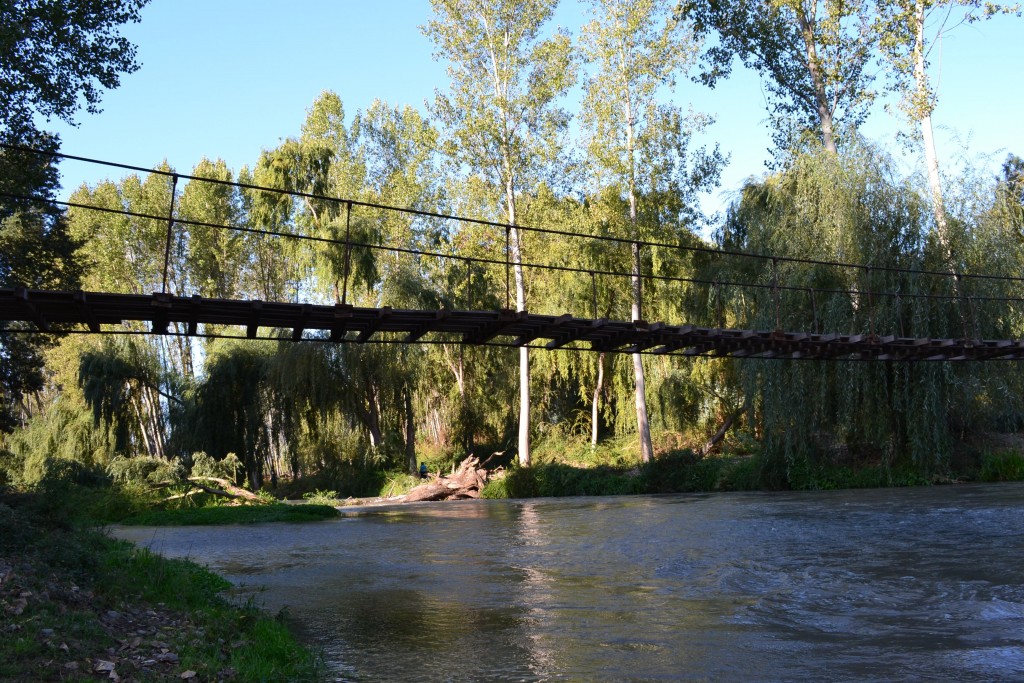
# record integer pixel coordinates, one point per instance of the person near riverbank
(423, 470)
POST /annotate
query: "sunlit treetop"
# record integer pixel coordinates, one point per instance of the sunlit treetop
(57, 54)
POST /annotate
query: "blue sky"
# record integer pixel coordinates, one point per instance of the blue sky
(227, 78)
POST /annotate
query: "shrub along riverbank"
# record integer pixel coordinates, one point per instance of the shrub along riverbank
(573, 469)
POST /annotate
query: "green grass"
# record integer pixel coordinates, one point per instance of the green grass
(224, 514)
(1002, 466)
(570, 468)
(71, 579)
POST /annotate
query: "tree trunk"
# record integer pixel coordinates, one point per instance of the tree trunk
(152, 402)
(595, 407)
(818, 81)
(410, 433)
(642, 424)
(924, 114)
(143, 431)
(726, 425)
(467, 481)
(524, 353)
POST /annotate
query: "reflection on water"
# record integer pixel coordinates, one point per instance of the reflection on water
(911, 584)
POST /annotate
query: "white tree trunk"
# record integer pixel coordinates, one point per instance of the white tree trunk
(924, 114)
(818, 81)
(642, 424)
(595, 406)
(524, 355)
(934, 181)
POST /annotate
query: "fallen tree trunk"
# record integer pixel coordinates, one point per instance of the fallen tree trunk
(227, 489)
(466, 482)
(720, 434)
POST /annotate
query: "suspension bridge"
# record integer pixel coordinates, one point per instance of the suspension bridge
(793, 331)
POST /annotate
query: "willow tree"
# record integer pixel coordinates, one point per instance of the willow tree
(814, 55)
(501, 113)
(635, 143)
(121, 382)
(127, 252)
(307, 179)
(908, 30)
(901, 415)
(400, 149)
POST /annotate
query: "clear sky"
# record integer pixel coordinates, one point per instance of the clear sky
(228, 78)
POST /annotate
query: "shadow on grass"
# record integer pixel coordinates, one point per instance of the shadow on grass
(223, 514)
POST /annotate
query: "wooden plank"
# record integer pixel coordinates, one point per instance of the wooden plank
(423, 328)
(83, 307)
(374, 324)
(307, 311)
(341, 319)
(46, 309)
(544, 328)
(255, 307)
(506, 318)
(580, 331)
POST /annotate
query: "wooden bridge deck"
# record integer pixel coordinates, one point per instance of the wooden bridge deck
(56, 311)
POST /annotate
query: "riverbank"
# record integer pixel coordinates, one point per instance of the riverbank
(78, 605)
(579, 472)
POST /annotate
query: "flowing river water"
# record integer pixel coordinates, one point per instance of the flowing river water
(922, 584)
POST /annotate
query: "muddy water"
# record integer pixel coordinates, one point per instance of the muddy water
(904, 584)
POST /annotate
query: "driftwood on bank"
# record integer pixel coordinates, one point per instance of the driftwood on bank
(228, 490)
(465, 482)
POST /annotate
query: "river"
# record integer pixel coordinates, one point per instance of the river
(920, 584)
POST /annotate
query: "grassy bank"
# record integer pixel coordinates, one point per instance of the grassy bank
(573, 469)
(224, 514)
(78, 605)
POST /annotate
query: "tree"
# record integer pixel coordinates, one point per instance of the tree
(501, 115)
(635, 144)
(905, 44)
(53, 55)
(401, 152)
(120, 382)
(213, 256)
(36, 255)
(814, 55)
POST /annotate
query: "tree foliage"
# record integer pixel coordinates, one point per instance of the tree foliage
(502, 115)
(55, 55)
(814, 57)
(309, 222)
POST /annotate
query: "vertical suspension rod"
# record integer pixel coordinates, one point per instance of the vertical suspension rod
(508, 282)
(348, 252)
(170, 228)
(775, 292)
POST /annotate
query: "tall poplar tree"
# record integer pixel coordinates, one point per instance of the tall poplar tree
(904, 28)
(635, 143)
(501, 113)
